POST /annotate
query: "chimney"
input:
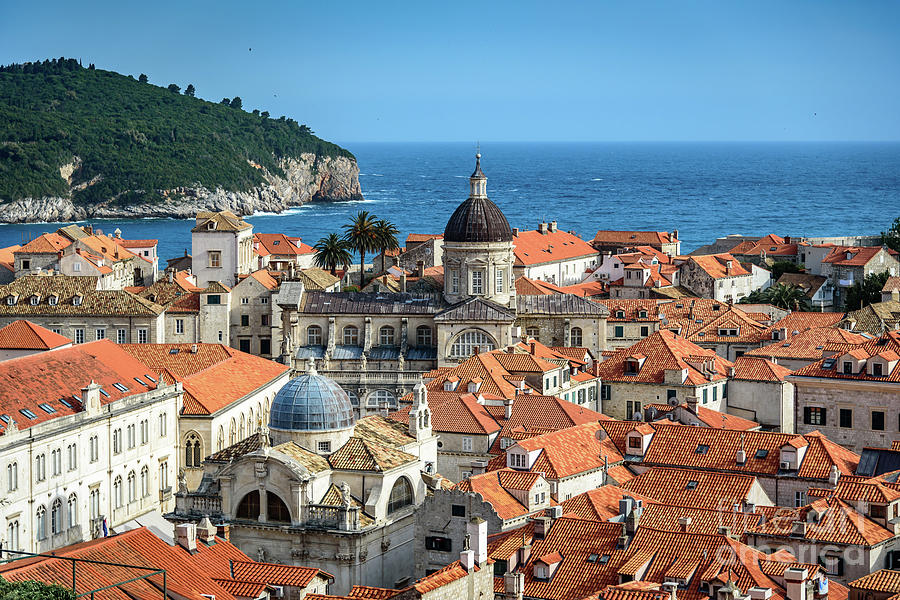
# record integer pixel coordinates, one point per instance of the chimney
(170, 276)
(513, 585)
(476, 529)
(467, 558)
(515, 232)
(420, 268)
(674, 234)
(759, 593)
(206, 531)
(542, 228)
(724, 530)
(741, 456)
(787, 239)
(223, 530)
(194, 348)
(795, 582)
(507, 407)
(834, 475)
(731, 372)
(749, 507)
(541, 527)
(186, 536)
(672, 588)
(798, 529)
(692, 403)
(403, 282)
(684, 523)
(90, 397)
(552, 226)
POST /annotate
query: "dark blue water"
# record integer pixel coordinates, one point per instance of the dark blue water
(704, 190)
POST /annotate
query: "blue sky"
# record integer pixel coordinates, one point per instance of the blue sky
(440, 71)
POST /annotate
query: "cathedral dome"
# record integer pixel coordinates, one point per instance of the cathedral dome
(311, 402)
(478, 219)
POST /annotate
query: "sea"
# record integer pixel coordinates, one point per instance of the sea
(704, 190)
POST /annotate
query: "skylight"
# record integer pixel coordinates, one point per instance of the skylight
(150, 379)
(691, 485)
(120, 387)
(104, 392)
(65, 402)
(604, 559)
(593, 558)
(47, 408)
(140, 382)
(174, 351)
(761, 453)
(28, 413)
(4, 418)
(702, 449)
(829, 362)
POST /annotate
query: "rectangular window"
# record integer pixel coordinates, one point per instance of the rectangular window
(265, 346)
(73, 457)
(645, 331)
(813, 415)
(100, 334)
(264, 300)
(846, 416)
(454, 280)
(179, 325)
(79, 336)
(245, 300)
(605, 390)
(244, 345)
(163, 475)
(324, 447)
(162, 425)
(458, 510)
(632, 408)
(467, 444)
(245, 320)
(94, 447)
(619, 331)
(848, 367)
(145, 431)
(705, 393)
(142, 336)
(76, 267)
(213, 299)
(799, 499)
(477, 282)
(877, 420)
(440, 544)
(876, 369)
(121, 336)
(117, 441)
(131, 436)
(501, 276)
(715, 393)
(264, 320)
(215, 259)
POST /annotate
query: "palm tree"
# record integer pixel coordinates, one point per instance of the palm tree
(386, 233)
(332, 251)
(361, 234)
(789, 297)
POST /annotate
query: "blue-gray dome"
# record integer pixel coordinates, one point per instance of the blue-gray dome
(311, 403)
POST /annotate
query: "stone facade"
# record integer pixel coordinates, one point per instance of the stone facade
(769, 403)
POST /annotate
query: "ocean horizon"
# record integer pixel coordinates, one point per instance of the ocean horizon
(704, 189)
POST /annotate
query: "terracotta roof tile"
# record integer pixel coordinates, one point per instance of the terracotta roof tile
(275, 574)
(535, 248)
(571, 451)
(490, 486)
(692, 487)
(807, 344)
(47, 243)
(633, 238)
(25, 335)
(851, 256)
(836, 522)
(7, 260)
(883, 580)
(362, 455)
(664, 350)
(700, 320)
(889, 341)
(64, 289)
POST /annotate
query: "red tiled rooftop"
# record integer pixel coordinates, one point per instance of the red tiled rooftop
(25, 335)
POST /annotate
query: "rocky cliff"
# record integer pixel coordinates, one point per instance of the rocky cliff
(305, 179)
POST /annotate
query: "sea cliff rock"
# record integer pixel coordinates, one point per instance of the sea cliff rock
(308, 178)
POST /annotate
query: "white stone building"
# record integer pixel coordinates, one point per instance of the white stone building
(221, 248)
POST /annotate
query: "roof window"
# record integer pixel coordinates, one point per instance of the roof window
(174, 350)
(150, 379)
(28, 413)
(65, 402)
(593, 558)
(53, 300)
(828, 363)
(104, 392)
(76, 300)
(47, 408)
(141, 382)
(120, 387)
(4, 418)
(702, 449)
(761, 453)
(603, 559)
(691, 485)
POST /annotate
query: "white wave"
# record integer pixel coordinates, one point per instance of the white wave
(597, 179)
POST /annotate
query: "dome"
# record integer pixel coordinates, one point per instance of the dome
(478, 220)
(311, 403)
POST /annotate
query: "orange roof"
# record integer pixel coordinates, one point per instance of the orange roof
(438, 579)
(571, 451)
(423, 237)
(484, 366)
(7, 260)
(47, 243)
(883, 580)
(275, 574)
(716, 265)
(263, 277)
(890, 341)
(25, 335)
(808, 344)
(535, 248)
(851, 256)
(106, 247)
(587, 289)
(54, 379)
(214, 377)
(541, 413)
(136, 243)
(602, 503)
(715, 418)
(692, 487)
(535, 287)
(453, 412)
(137, 547)
(282, 245)
(752, 368)
(837, 522)
(664, 351)
(621, 310)
(633, 238)
(701, 320)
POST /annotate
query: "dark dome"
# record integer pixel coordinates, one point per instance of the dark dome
(478, 220)
(311, 403)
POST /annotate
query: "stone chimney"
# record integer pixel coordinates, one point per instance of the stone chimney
(795, 583)
(515, 232)
(186, 536)
(672, 588)
(674, 234)
(684, 524)
(223, 530)
(513, 586)
(507, 407)
(741, 457)
(476, 529)
(403, 282)
(541, 527)
(834, 475)
(552, 226)
(692, 403)
(542, 228)
(206, 531)
(90, 397)
(420, 268)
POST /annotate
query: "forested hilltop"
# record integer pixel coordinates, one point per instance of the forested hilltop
(109, 144)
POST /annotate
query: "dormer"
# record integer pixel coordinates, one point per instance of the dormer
(642, 314)
(545, 566)
(210, 225)
(792, 453)
(848, 255)
(675, 376)
(853, 362)
(521, 459)
(35, 299)
(11, 299)
(475, 385)
(53, 300)
(77, 299)
(633, 363)
(620, 314)
(638, 440)
(729, 331)
(882, 364)
(451, 383)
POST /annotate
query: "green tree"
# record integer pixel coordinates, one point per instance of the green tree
(332, 251)
(236, 102)
(386, 234)
(755, 297)
(866, 292)
(361, 233)
(780, 267)
(265, 114)
(226, 101)
(142, 78)
(891, 237)
(788, 297)
(174, 88)
(190, 90)
(33, 590)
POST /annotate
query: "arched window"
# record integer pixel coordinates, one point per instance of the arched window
(354, 399)
(386, 336)
(313, 335)
(232, 432)
(73, 510)
(56, 516)
(242, 429)
(252, 425)
(351, 335)
(145, 482)
(192, 451)
(117, 492)
(276, 509)
(468, 341)
(220, 438)
(401, 495)
(575, 336)
(423, 336)
(249, 506)
(533, 332)
(132, 487)
(380, 398)
(41, 523)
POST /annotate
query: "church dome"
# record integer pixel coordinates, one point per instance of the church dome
(478, 219)
(311, 402)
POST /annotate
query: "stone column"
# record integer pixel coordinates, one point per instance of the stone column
(263, 504)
